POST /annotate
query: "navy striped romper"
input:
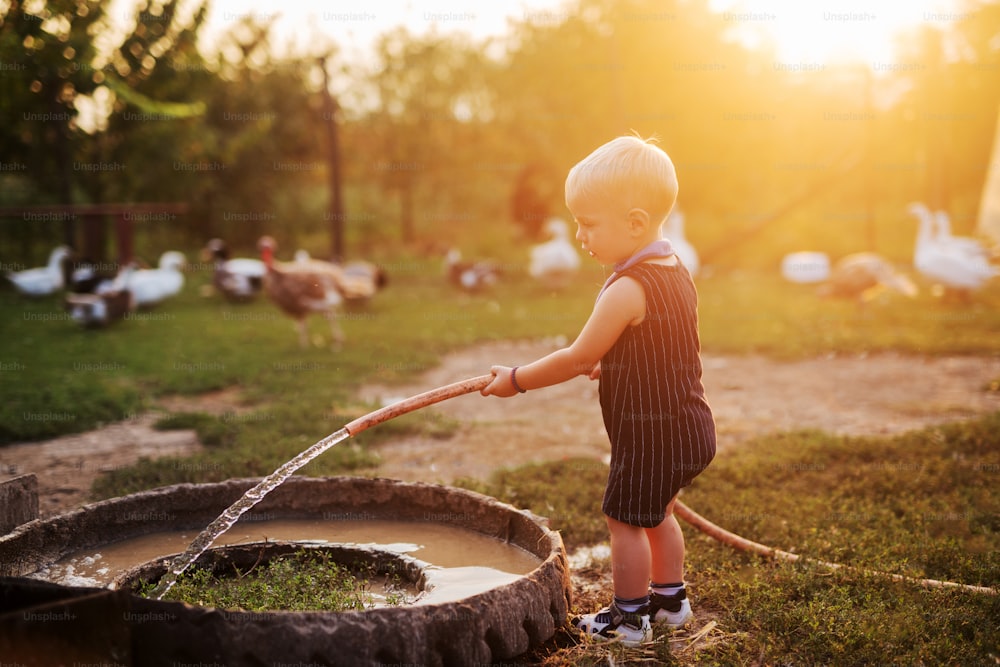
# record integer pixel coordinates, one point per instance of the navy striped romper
(660, 425)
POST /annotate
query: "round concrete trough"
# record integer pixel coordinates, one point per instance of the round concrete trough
(87, 623)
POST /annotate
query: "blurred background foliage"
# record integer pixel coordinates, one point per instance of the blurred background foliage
(451, 140)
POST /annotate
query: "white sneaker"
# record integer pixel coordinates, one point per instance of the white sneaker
(632, 628)
(674, 611)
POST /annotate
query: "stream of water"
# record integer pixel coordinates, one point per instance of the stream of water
(232, 514)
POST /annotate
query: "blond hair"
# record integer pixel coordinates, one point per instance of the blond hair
(631, 169)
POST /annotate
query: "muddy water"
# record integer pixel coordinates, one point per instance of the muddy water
(464, 562)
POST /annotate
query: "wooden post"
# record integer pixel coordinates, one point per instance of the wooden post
(335, 211)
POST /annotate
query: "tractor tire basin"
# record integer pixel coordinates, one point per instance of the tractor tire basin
(43, 622)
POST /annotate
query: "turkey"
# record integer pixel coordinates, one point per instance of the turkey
(300, 288)
(361, 280)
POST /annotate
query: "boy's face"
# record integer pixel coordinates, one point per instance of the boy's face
(603, 230)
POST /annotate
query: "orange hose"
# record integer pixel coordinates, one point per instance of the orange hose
(416, 402)
(732, 539)
(680, 509)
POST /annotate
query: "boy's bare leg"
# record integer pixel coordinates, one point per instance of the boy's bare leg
(666, 545)
(630, 559)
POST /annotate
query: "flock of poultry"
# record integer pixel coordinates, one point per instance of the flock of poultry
(305, 285)
(956, 266)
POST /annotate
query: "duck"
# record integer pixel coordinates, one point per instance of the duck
(554, 262)
(946, 264)
(152, 286)
(471, 276)
(303, 287)
(43, 280)
(674, 232)
(108, 303)
(865, 275)
(87, 276)
(238, 279)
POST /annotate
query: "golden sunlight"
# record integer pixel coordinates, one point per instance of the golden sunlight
(812, 35)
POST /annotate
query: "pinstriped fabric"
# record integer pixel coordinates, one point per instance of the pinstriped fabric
(660, 425)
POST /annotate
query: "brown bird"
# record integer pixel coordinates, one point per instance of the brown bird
(360, 281)
(301, 288)
(109, 303)
(471, 276)
(863, 276)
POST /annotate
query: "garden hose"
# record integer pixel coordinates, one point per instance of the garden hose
(680, 509)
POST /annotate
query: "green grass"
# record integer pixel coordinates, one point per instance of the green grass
(58, 378)
(305, 581)
(755, 313)
(923, 504)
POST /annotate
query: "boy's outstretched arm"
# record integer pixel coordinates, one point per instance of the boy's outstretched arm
(621, 305)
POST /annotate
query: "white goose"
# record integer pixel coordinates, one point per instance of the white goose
(554, 262)
(674, 231)
(42, 280)
(971, 247)
(945, 263)
(151, 286)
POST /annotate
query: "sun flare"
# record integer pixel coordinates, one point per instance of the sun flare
(814, 34)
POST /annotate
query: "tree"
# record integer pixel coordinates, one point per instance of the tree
(427, 127)
(56, 65)
(47, 54)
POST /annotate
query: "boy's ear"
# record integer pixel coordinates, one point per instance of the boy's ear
(638, 221)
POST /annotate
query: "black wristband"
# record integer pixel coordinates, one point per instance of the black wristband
(513, 380)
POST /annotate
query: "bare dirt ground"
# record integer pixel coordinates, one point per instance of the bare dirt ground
(855, 395)
(750, 396)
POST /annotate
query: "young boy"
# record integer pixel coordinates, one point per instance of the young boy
(641, 341)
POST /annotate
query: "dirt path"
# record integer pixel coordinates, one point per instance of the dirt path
(878, 394)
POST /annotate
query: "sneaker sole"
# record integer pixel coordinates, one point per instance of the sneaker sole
(674, 625)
